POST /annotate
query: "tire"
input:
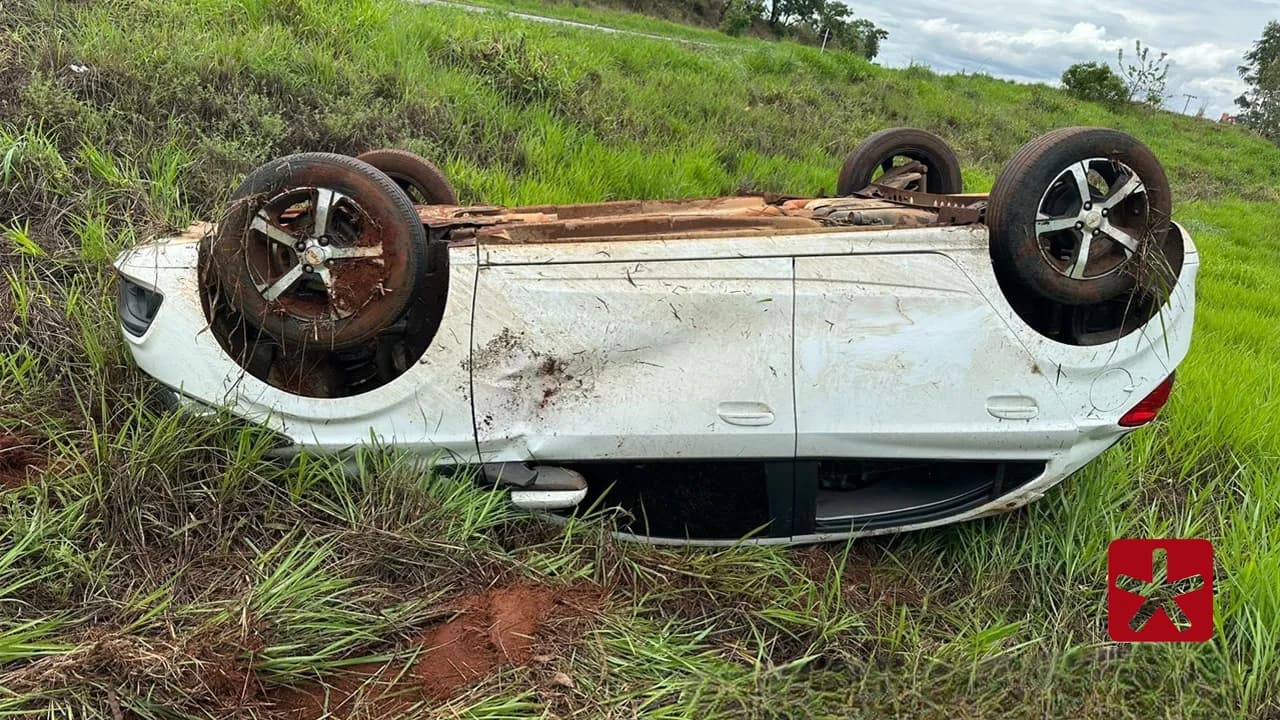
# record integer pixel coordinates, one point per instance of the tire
(943, 166)
(337, 288)
(1097, 234)
(417, 177)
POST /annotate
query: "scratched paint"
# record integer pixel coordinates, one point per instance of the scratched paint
(901, 356)
(635, 360)
(896, 342)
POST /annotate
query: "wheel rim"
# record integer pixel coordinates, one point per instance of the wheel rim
(1092, 219)
(316, 254)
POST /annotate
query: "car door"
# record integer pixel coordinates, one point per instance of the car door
(899, 355)
(912, 395)
(603, 351)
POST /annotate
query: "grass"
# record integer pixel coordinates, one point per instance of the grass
(591, 13)
(161, 566)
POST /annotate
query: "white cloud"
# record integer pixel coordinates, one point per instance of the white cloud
(1208, 58)
(1034, 48)
(1208, 87)
(1139, 17)
(1083, 37)
(1035, 40)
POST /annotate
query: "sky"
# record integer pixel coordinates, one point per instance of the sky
(1035, 40)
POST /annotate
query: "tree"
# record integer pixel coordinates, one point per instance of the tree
(1095, 82)
(829, 20)
(826, 22)
(861, 36)
(784, 13)
(740, 14)
(1260, 104)
(1145, 77)
(831, 17)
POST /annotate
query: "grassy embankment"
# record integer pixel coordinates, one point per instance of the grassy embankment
(157, 567)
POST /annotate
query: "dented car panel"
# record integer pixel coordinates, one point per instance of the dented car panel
(602, 360)
(901, 356)
(727, 329)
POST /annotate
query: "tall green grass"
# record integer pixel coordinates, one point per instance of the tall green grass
(164, 566)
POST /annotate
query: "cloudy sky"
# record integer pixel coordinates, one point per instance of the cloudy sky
(1035, 40)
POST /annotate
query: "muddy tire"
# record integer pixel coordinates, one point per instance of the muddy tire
(417, 177)
(883, 150)
(1081, 215)
(319, 250)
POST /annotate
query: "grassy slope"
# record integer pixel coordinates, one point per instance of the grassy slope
(592, 13)
(157, 551)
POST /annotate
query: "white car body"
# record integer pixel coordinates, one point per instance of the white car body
(875, 344)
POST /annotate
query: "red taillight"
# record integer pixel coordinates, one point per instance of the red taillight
(1146, 411)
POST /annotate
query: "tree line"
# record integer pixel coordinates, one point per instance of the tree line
(1143, 80)
(827, 23)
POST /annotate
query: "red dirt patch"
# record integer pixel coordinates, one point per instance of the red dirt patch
(492, 630)
(863, 581)
(495, 629)
(18, 457)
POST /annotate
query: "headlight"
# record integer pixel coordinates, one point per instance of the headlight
(138, 306)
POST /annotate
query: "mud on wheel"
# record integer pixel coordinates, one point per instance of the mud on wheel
(1081, 216)
(319, 249)
(904, 158)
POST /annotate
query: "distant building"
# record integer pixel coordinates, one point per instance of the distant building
(1227, 119)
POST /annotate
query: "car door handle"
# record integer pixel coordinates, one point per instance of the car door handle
(749, 414)
(1012, 407)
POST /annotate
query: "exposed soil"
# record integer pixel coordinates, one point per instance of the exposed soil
(492, 630)
(202, 670)
(356, 283)
(18, 458)
(863, 585)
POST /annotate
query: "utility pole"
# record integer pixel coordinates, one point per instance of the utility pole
(1187, 104)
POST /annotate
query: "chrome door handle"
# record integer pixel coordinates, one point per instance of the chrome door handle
(748, 414)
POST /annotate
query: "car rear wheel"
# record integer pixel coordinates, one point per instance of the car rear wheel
(904, 157)
(1080, 215)
(319, 250)
(422, 181)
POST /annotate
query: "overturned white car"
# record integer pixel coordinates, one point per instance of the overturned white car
(789, 369)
